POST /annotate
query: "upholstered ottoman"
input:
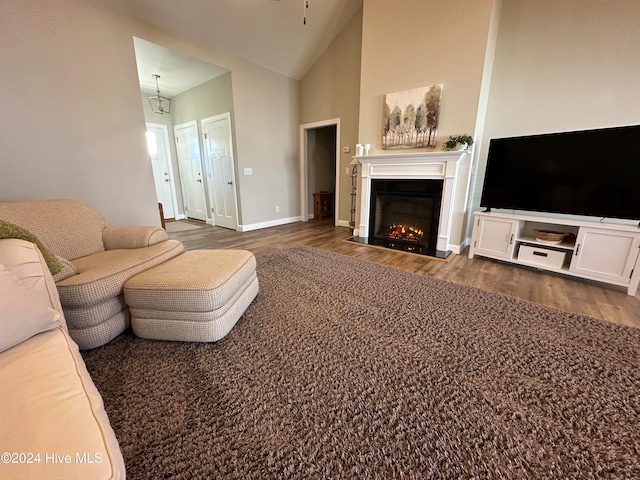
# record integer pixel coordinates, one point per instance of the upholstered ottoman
(195, 297)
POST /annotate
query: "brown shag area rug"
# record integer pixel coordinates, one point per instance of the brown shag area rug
(346, 369)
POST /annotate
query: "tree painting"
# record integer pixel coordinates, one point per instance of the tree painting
(410, 118)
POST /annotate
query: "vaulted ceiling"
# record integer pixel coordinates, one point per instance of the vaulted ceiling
(269, 33)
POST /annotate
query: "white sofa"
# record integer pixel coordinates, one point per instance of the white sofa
(52, 419)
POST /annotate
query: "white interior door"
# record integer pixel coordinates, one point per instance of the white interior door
(190, 165)
(158, 144)
(221, 179)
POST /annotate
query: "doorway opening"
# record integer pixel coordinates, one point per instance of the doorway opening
(319, 168)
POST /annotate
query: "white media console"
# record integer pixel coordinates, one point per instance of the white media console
(598, 251)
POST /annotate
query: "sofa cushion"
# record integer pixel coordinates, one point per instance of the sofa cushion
(23, 312)
(69, 228)
(51, 406)
(101, 276)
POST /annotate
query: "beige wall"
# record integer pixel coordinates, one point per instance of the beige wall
(211, 98)
(562, 66)
(331, 89)
(416, 43)
(72, 125)
(266, 107)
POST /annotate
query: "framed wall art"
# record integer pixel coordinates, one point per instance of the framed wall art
(410, 118)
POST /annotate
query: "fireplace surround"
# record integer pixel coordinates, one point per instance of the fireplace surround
(451, 169)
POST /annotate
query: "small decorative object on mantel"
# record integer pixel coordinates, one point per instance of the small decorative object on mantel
(458, 142)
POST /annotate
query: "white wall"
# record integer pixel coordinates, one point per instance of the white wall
(562, 66)
(72, 125)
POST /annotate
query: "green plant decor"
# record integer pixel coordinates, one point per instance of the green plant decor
(11, 230)
(454, 140)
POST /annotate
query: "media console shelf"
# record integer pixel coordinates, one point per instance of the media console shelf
(592, 250)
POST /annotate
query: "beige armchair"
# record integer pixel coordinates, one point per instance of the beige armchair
(97, 260)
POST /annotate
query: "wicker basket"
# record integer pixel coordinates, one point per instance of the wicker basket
(549, 236)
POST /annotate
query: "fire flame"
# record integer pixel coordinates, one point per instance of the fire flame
(404, 232)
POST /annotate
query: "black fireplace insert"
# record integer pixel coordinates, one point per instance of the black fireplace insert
(404, 215)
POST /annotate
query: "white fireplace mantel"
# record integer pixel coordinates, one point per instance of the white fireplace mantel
(452, 167)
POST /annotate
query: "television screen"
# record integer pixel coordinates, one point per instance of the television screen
(589, 172)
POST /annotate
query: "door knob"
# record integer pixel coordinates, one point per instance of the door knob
(230, 183)
(166, 180)
(200, 180)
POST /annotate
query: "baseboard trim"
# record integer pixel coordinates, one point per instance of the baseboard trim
(282, 221)
(457, 249)
(271, 223)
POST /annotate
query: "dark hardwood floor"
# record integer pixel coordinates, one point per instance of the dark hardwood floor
(558, 291)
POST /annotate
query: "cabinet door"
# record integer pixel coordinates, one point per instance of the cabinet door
(494, 237)
(605, 254)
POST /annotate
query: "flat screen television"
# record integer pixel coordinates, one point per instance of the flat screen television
(589, 172)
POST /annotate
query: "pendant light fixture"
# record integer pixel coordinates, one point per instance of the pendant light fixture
(159, 104)
(304, 11)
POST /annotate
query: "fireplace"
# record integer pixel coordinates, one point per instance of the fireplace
(446, 228)
(405, 215)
